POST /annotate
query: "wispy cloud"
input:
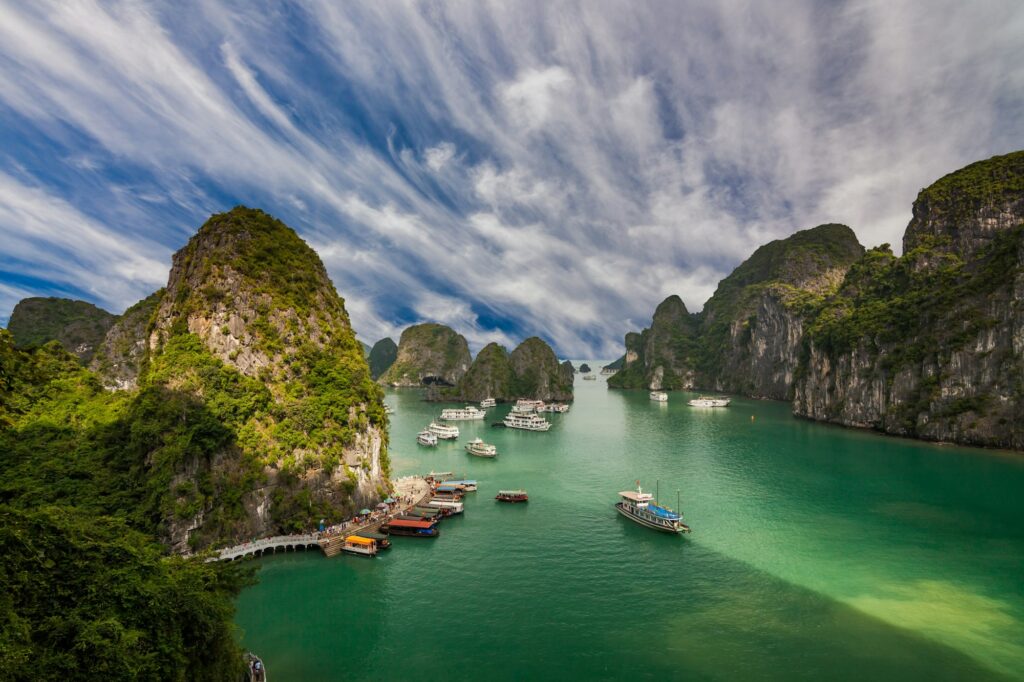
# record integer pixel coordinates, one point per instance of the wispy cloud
(506, 168)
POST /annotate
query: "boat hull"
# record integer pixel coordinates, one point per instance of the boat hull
(622, 509)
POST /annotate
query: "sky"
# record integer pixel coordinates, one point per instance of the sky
(508, 168)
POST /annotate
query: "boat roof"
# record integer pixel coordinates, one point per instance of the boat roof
(359, 540)
(663, 512)
(463, 482)
(511, 492)
(404, 523)
(373, 535)
(635, 496)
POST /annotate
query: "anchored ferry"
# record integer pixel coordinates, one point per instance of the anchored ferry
(444, 431)
(659, 396)
(462, 414)
(553, 407)
(705, 401)
(481, 449)
(527, 422)
(426, 437)
(487, 402)
(637, 506)
(467, 483)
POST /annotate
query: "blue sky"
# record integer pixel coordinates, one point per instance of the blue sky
(507, 168)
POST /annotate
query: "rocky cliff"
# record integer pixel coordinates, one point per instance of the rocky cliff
(530, 371)
(382, 356)
(664, 355)
(251, 326)
(120, 356)
(77, 325)
(929, 344)
(429, 354)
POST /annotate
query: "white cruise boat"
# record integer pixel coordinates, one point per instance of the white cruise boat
(426, 437)
(487, 402)
(527, 422)
(456, 507)
(659, 396)
(444, 431)
(640, 507)
(527, 406)
(705, 401)
(590, 377)
(481, 449)
(553, 407)
(462, 413)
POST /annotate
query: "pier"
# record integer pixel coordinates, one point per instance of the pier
(414, 487)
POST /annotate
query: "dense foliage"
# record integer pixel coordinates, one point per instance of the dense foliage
(958, 195)
(75, 324)
(382, 356)
(431, 353)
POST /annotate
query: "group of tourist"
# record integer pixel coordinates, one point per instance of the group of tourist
(382, 512)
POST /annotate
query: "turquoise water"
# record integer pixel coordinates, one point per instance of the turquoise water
(817, 553)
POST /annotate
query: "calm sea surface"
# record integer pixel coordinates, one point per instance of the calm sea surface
(817, 553)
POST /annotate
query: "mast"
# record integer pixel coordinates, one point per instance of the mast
(678, 507)
(657, 487)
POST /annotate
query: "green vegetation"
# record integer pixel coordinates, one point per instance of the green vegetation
(958, 196)
(75, 324)
(382, 356)
(429, 350)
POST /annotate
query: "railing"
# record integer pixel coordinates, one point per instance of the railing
(275, 543)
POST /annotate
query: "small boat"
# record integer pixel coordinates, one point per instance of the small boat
(487, 402)
(590, 377)
(512, 496)
(527, 422)
(553, 407)
(706, 401)
(255, 671)
(524, 406)
(426, 437)
(455, 506)
(357, 544)
(450, 487)
(637, 506)
(440, 475)
(381, 539)
(468, 484)
(467, 413)
(444, 431)
(659, 396)
(481, 449)
(416, 529)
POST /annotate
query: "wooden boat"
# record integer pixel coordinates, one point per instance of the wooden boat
(469, 485)
(512, 496)
(640, 507)
(357, 544)
(487, 402)
(478, 448)
(454, 505)
(416, 529)
(705, 401)
(381, 539)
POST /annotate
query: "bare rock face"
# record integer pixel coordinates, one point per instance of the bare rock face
(251, 326)
(78, 326)
(120, 357)
(429, 355)
(930, 344)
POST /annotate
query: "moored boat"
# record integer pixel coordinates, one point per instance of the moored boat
(639, 507)
(524, 406)
(468, 484)
(453, 505)
(466, 413)
(487, 402)
(416, 529)
(357, 544)
(526, 422)
(443, 431)
(512, 496)
(590, 377)
(659, 396)
(439, 475)
(426, 437)
(707, 401)
(553, 407)
(481, 449)
(381, 539)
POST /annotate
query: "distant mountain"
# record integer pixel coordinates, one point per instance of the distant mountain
(120, 357)
(530, 371)
(77, 325)
(382, 356)
(429, 354)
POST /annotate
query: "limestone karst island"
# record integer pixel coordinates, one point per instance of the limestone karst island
(511, 341)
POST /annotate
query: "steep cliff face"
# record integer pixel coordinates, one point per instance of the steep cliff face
(664, 355)
(119, 358)
(537, 373)
(77, 325)
(251, 327)
(429, 354)
(930, 344)
(490, 376)
(751, 328)
(382, 356)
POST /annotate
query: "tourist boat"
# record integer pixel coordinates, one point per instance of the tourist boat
(462, 414)
(426, 437)
(444, 431)
(481, 449)
(512, 496)
(416, 529)
(527, 422)
(590, 377)
(455, 506)
(553, 407)
(636, 505)
(705, 401)
(425, 512)
(388, 409)
(659, 396)
(381, 539)
(607, 371)
(487, 402)
(357, 544)
(527, 406)
(468, 485)
(440, 475)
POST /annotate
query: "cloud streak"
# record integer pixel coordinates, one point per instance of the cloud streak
(506, 168)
